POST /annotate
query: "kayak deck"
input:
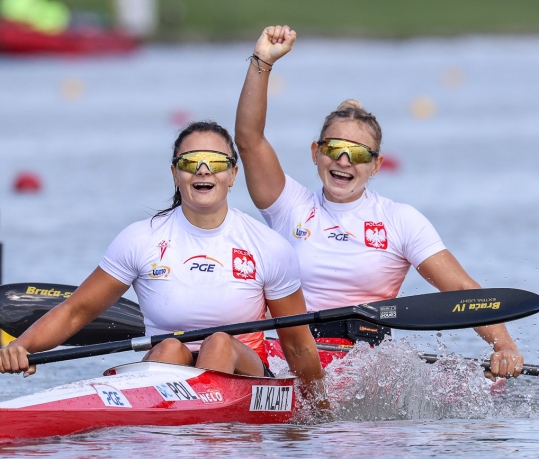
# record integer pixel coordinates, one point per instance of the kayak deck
(148, 393)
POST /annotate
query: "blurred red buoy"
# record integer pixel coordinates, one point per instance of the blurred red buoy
(27, 182)
(180, 117)
(390, 164)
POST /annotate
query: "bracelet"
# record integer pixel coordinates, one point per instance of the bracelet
(258, 60)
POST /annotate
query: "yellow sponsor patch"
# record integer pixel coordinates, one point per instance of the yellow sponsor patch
(159, 271)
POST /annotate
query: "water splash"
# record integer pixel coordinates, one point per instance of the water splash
(391, 382)
(519, 399)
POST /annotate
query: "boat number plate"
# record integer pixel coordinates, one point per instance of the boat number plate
(112, 396)
(271, 398)
(177, 390)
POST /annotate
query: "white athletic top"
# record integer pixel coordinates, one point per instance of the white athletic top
(354, 252)
(188, 278)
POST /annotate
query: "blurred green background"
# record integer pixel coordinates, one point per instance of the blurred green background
(223, 20)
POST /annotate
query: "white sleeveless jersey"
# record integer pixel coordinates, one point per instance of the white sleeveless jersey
(354, 252)
(188, 278)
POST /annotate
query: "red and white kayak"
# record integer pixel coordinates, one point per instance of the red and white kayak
(148, 393)
(17, 38)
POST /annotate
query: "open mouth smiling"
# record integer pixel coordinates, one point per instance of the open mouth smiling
(203, 186)
(341, 175)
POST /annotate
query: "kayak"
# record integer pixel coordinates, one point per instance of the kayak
(274, 350)
(148, 393)
(18, 38)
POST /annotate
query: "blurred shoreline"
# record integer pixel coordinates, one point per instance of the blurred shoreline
(238, 20)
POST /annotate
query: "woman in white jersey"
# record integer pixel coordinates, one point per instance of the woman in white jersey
(354, 246)
(194, 265)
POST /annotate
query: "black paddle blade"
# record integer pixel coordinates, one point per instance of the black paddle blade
(449, 310)
(22, 304)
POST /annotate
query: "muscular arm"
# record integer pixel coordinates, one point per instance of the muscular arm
(96, 294)
(263, 173)
(298, 343)
(444, 272)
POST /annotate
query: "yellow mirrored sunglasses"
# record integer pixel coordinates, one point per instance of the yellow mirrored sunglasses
(357, 152)
(215, 161)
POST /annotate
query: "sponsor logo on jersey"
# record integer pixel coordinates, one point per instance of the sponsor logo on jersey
(301, 233)
(163, 246)
(203, 263)
(375, 235)
(336, 233)
(243, 264)
(312, 214)
(159, 271)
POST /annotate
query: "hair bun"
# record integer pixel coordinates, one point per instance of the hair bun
(349, 103)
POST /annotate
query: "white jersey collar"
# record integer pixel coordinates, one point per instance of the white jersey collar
(343, 206)
(196, 231)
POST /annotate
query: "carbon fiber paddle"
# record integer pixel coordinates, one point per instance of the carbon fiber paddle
(431, 311)
(23, 304)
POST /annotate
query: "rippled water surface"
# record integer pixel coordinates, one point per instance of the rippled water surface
(461, 125)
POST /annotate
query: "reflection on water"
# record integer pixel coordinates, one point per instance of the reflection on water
(389, 439)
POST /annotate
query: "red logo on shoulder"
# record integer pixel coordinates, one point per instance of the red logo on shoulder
(163, 246)
(243, 264)
(312, 213)
(375, 235)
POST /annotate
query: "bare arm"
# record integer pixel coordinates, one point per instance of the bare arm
(300, 351)
(96, 294)
(264, 175)
(297, 343)
(444, 272)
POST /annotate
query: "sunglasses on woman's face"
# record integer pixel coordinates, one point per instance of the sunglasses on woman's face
(357, 152)
(215, 161)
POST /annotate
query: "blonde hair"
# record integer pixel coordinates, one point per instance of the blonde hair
(353, 110)
(349, 103)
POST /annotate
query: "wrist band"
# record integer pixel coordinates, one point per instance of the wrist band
(258, 60)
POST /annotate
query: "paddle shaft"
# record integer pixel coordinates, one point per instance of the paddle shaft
(146, 343)
(530, 370)
(432, 311)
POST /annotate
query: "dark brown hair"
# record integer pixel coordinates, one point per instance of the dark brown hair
(191, 128)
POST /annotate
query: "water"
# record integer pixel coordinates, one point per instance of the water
(388, 439)
(460, 117)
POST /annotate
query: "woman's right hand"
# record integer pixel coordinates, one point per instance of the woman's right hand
(14, 359)
(274, 43)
